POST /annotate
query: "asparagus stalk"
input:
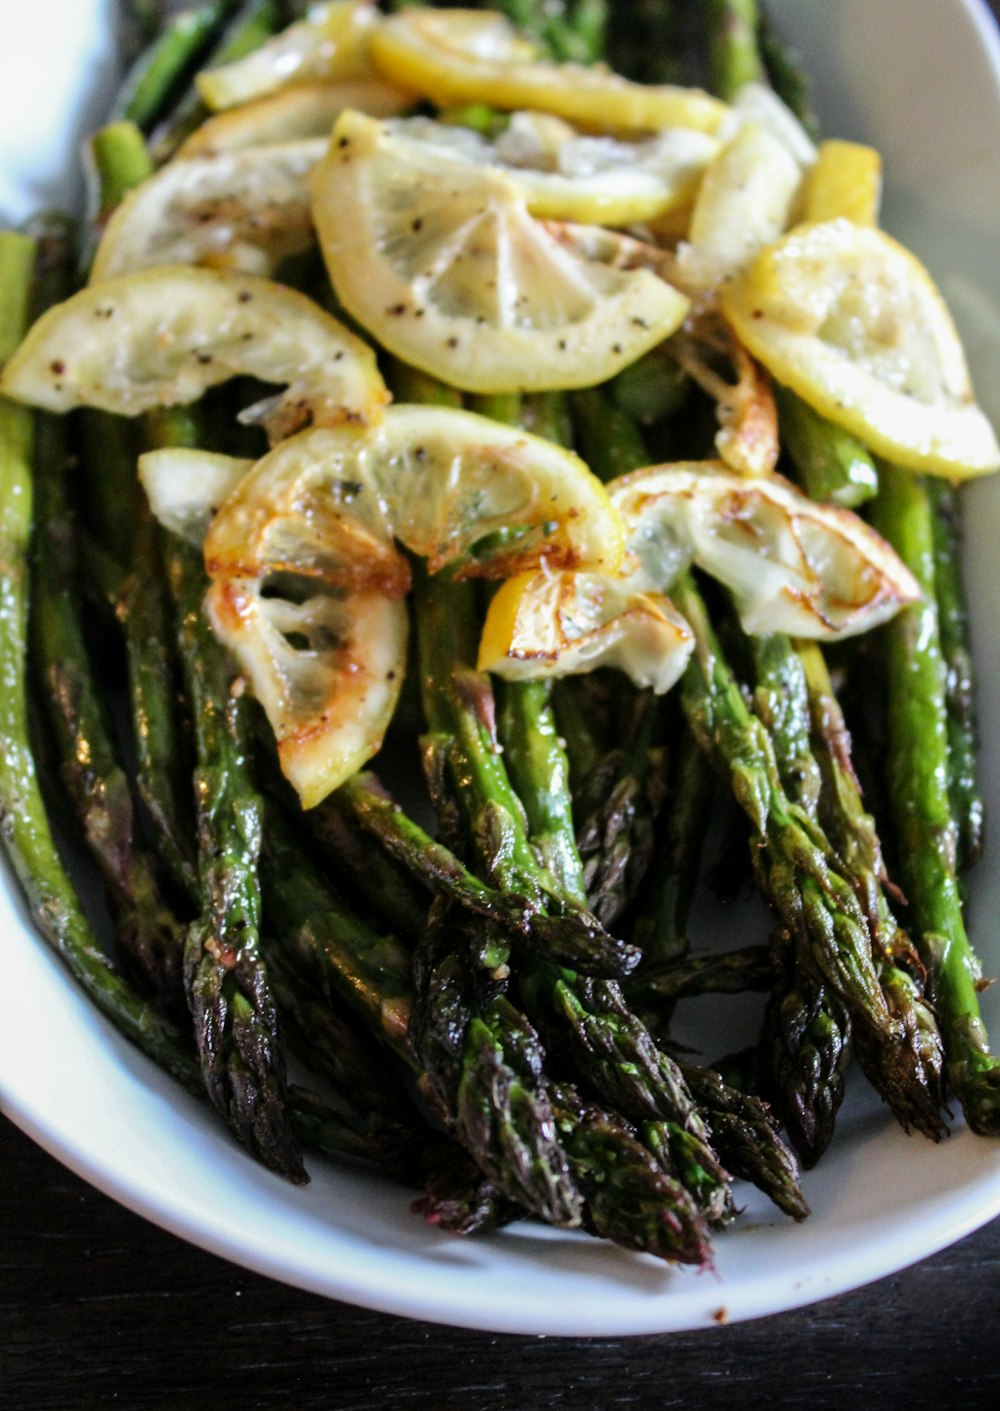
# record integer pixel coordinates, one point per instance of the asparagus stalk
(733, 56)
(792, 858)
(712, 973)
(660, 928)
(148, 933)
(160, 70)
(630, 1197)
(459, 705)
(225, 977)
(918, 772)
(364, 801)
(24, 825)
(953, 626)
(830, 463)
(806, 1031)
(253, 23)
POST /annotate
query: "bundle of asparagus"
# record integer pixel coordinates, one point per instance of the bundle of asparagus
(486, 1006)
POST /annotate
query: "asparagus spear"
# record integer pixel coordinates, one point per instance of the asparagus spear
(24, 825)
(918, 772)
(660, 927)
(148, 933)
(806, 1030)
(792, 858)
(459, 706)
(953, 626)
(733, 56)
(830, 463)
(225, 978)
(161, 69)
(631, 1198)
(253, 23)
(365, 802)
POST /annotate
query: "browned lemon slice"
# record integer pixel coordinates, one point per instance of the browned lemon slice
(164, 336)
(441, 261)
(476, 56)
(854, 324)
(793, 565)
(307, 579)
(547, 623)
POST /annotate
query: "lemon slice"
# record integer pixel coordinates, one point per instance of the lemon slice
(568, 175)
(854, 324)
(241, 210)
(458, 489)
(164, 336)
(846, 181)
(331, 42)
(293, 114)
(476, 56)
(793, 565)
(439, 259)
(325, 659)
(306, 577)
(547, 623)
(745, 201)
(327, 671)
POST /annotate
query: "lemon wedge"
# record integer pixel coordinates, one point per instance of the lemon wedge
(477, 56)
(441, 261)
(165, 335)
(330, 43)
(293, 114)
(245, 210)
(854, 324)
(545, 624)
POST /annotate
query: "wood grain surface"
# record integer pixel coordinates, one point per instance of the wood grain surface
(99, 1308)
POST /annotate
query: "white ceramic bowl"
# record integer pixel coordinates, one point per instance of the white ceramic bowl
(921, 80)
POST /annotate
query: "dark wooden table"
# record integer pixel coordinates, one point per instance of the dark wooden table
(100, 1308)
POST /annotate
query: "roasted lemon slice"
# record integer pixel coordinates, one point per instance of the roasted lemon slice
(854, 324)
(792, 565)
(476, 56)
(164, 336)
(565, 174)
(306, 577)
(240, 210)
(456, 488)
(440, 260)
(294, 114)
(330, 43)
(563, 623)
